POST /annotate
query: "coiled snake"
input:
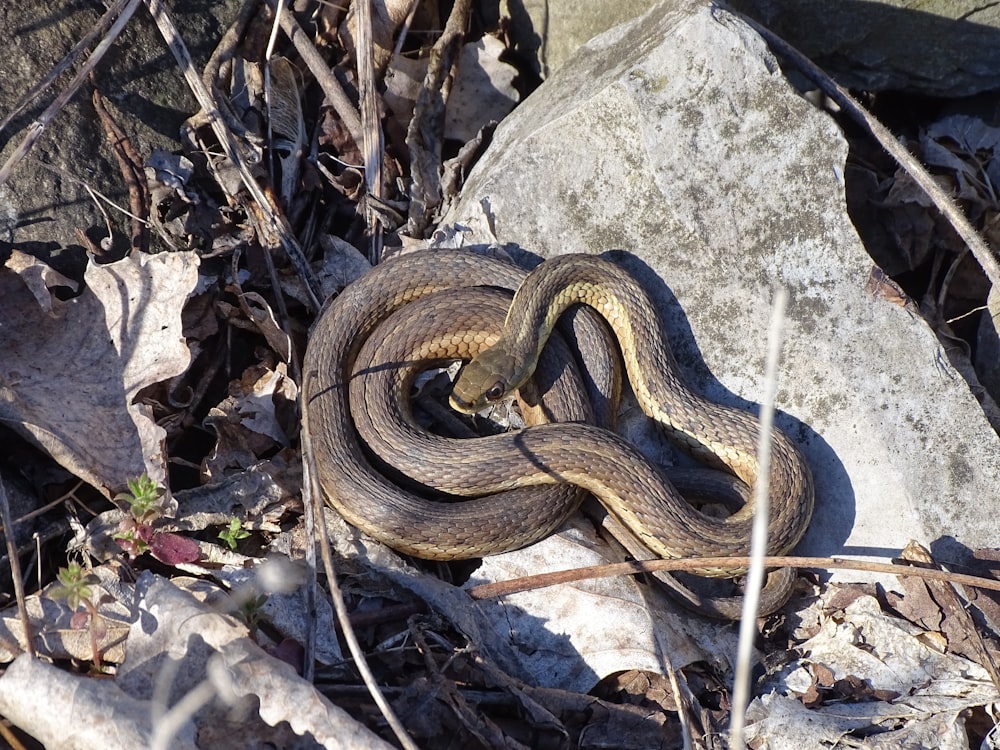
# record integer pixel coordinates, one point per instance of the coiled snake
(629, 486)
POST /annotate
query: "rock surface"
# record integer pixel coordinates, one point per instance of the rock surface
(676, 138)
(947, 48)
(42, 209)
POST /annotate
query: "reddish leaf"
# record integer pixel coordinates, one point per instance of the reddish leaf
(173, 549)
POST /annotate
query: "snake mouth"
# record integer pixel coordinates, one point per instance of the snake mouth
(460, 405)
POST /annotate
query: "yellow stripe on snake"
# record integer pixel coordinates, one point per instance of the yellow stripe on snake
(435, 322)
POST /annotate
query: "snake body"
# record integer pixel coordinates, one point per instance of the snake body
(635, 491)
(400, 518)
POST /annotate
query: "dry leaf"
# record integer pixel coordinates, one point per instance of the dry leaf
(71, 373)
(929, 690)
(570, 648)
(208, 645)
(252, 421)
(56, 637)
(287, 124)
(483, 92)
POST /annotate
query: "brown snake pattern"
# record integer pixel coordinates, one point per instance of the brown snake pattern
(639, 496)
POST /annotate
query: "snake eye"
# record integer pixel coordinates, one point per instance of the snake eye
(496, 392)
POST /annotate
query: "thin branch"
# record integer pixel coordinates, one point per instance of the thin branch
(274, 218)
(15, 571)
(321, 71)
(634, 567)
(426, 130)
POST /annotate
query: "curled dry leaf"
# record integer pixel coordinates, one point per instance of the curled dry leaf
(266, 691)
(252, 421)
(483, 91)
(880, 675)
(72, 369)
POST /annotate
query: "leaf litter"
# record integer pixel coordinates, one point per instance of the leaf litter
(183, 368)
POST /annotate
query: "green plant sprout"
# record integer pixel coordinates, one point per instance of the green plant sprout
(146, 503)
(251, 612)
(75, 587)
(143, 499)
(233, 533)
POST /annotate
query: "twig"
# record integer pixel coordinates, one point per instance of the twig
(426, 130)
(274, 218)
(15, 571)
(944, 203)
(312, 500)
(10, 738)
(321, 71)
(95, 194)
(130, 165)
(634, 567)
(758, 535)
(38, 126)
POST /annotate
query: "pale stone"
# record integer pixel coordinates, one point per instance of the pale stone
(677, 138)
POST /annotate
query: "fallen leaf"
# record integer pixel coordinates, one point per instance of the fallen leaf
(483, 92)
(71, 373)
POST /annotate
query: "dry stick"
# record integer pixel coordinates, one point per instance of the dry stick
(888, 141)
(373, 138)
(312, 503)
(426, 130)
(758, 535)
(321, 71)
(38, 88)
(269, 211)
(38, 127)
(130, 166)
(529, 583)
(15, 570)
(9, 737)
(405, 28)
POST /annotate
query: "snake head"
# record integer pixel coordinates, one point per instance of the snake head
(487, 379)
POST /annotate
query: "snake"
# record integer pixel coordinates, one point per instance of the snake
(569, 455)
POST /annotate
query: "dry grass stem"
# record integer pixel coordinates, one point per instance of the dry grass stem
(15, 570)
(31, 94)
(758, 538)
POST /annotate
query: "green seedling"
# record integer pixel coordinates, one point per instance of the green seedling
(75, 587)
(233, 533)
(136, 534)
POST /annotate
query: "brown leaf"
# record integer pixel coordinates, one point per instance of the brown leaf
(72, 369)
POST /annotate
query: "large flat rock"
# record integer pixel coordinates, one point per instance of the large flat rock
(676, 138)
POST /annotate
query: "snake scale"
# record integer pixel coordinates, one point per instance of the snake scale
(568, 454)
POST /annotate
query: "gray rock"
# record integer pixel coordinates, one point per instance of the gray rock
(41, 209)
(947, 49)
(676, 138)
